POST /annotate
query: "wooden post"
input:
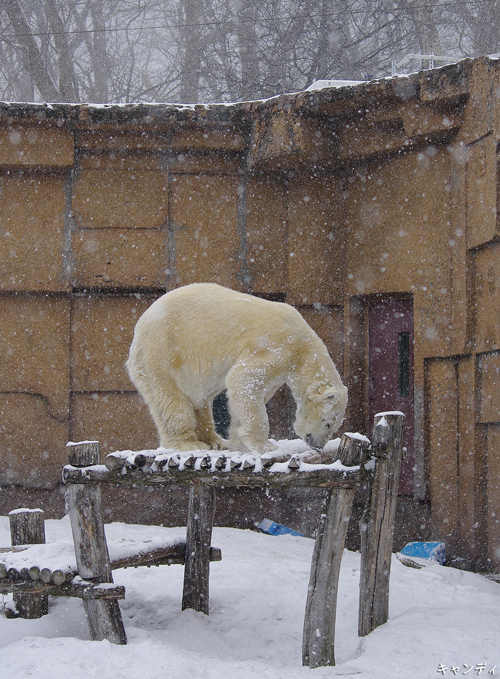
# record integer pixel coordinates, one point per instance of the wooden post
(83, 504)
(198, 540)
(27, 527)
(318, 644)
(377, 524)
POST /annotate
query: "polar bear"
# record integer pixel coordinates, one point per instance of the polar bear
(196, 341)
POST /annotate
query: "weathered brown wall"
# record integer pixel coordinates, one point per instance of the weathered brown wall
(326, 199)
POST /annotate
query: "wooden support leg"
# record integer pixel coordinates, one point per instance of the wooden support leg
(377, 524)
(83, 504)
(198, 540)
(27, 527)
(318, 646)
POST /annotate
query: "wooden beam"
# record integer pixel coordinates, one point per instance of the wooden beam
(83, 504)
(318, 644)
(27, 527)
(172, 476)
(377, 524)
(198, 538)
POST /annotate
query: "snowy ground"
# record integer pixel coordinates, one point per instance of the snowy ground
(258, 591)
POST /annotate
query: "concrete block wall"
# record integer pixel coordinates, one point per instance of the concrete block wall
(95, 225)
(328, 200)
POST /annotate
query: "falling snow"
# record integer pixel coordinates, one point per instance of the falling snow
(438, 616)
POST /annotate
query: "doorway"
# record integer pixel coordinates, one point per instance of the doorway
(390, 356)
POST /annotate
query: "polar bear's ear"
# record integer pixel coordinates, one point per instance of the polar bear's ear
(331, 395)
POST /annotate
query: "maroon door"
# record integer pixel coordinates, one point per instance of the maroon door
(390, 355)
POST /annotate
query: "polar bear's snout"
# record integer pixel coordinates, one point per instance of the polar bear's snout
(312, 443)
(321, 415)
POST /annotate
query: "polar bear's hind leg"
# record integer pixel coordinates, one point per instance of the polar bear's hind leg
(205, 428)
(175, 418)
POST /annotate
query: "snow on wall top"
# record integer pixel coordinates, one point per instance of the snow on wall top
(445, 82)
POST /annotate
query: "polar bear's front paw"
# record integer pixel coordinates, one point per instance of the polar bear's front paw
(185, 446)
(270, 446)
(218, 443)
(257, 448)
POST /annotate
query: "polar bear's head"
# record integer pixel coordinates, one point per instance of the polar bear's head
(321, 413)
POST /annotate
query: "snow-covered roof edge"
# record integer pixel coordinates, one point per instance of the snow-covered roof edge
(444, 82)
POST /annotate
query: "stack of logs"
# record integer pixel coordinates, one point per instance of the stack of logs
(153, 461)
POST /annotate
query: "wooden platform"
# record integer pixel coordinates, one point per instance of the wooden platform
(213, 469)
(203, 472)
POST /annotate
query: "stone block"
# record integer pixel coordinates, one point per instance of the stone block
(36, 146)
(316, 241)
(214, 163)
(89, 159)
(328, 323)
(123, 258)
(482, 192)
(442, 427)
(421, 120)
(364, 138)
(467, 456)
(489, 380)
(266, 234)
(34, 349)
(101, 333)
(206, 231)
(399, 245)
(487, 263)
(283, 138)
(493, 495)
(227, 137)
(32, 233)
(405, 245)
(480, 115)
(121, 142)
(112, 198)
(117, 421)
(33, 442)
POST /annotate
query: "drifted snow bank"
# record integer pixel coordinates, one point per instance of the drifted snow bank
(258, 594)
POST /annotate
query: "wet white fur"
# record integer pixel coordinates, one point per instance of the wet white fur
(200, 339)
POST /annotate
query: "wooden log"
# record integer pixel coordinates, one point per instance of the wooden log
(34, 573)
(27, 527)
(198, 538)
(23, 586)
(229, 479)
(83, 505)
(14, 575)
(46, 575)
(114, 462)
(206, 462)
(89, 591)
(220, 463)
(377, 523)
(189, 462)
(318, 643)
(176, 554)
(84, 454)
